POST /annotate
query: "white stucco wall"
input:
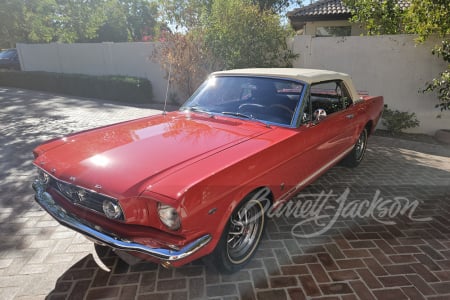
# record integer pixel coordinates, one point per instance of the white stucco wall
(311, 27)
(130, 59)
(392, 66)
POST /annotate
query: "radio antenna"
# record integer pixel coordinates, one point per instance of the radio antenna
(167, 90)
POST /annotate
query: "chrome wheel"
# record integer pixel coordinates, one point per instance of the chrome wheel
(355, 156)
(360, 146)
(242, 233)
(246, 226)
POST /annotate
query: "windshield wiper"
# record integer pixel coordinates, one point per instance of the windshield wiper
(238, 114)
(198, 109)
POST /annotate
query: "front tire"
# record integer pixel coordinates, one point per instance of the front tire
(354, 158)
(241, 236)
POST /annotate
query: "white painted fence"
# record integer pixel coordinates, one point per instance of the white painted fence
(392, 66)
(130, 59)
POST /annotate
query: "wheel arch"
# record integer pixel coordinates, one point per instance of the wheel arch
(220, 256)
(243, 196)
(369, 127)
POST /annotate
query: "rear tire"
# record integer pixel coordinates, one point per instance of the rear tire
(354, 158)
(241, 236)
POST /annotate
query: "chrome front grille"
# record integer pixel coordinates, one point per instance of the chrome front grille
(81, 197)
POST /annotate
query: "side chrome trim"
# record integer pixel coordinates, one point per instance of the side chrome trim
(324, 167)
(47, 202)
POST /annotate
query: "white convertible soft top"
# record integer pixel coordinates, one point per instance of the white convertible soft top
(307, 75)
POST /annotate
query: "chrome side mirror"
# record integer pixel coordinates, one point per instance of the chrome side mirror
(319, 115)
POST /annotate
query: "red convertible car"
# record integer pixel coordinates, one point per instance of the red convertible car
(197, 182)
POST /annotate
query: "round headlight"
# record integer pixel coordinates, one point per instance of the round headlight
(169, 216)
(112, 210)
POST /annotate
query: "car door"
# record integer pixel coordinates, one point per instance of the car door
(321, 142)
(337, 126)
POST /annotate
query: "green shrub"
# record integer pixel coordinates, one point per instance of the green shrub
(395, 120)
(441, 84)
(116, 88)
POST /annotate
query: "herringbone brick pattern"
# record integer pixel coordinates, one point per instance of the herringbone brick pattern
(379, 256)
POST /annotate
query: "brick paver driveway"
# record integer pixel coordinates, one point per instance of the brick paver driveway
(379, 247)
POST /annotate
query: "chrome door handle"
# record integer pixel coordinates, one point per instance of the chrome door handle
(350, 116)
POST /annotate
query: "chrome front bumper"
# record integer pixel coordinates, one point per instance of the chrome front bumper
(46, 201)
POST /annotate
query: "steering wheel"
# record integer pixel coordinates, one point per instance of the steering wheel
(249, 105)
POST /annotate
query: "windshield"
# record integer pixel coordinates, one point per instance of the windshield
(265, 99)
(7, 54)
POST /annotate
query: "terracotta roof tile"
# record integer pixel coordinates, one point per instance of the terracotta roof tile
(330, 7)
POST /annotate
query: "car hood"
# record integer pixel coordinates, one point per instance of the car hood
(121, 160)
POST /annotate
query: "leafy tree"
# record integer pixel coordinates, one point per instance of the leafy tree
(49, 20)
(79, 20)
(427, 17)
(26, 21)
(233, 34)
(441, 84)
(129, 20)
(38, 20)
(115, 27)
(242, 36)
(141, 18)
(184, 14)
(423, 17)
(378, 16)
(10, 16)
(275, 5)
(186, 59)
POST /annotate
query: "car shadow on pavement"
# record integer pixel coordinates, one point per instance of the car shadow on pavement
(87, 280)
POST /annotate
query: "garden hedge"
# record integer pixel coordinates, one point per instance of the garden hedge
(116, 88)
